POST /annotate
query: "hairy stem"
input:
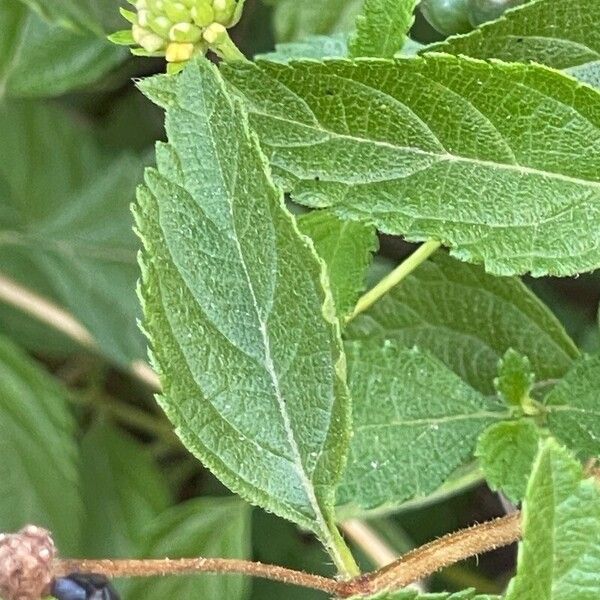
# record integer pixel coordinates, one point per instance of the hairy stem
(187, 566)
(404, 269)
(374, 546)
(436, 555)
(411, 567)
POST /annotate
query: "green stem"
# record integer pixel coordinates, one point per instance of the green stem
(395, 277)
(227, 50)
(341, 554)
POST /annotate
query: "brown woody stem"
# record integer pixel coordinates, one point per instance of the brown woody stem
(186, 566)
(411, 567)
(436, 555)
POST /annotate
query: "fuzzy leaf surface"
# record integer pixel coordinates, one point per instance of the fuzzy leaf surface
(382, 27)
(573, 408)
(559, 557)
(490, 167)
(212, 527)
(562, 35)
(243, 330)
(469, 319)
(65, 225)
(347, 248)
(506, 454)
(415, 423)
(38, 456)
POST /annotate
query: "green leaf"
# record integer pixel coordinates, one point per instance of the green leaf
(98, 16)
(243, 330)
(588, 73)
(314, 46)
(40, 59)
(414, 595)
(124, 37)
(211, 527)
(38, 456)
(122, 490)
(298, 19)
(382, 27)
(65, 225)
(562, 35)
(559, 558)
(515, 379)
(506, 454)
(347, 248)
(415, 423)
(436, 161)
(573, 409)
(469, 319)
(322, 46)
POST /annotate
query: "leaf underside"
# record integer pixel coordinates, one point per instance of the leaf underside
(415, 423)
(500, 162)
(382, 28)
(562, 35)
(559, 558)
(243, 334)
(469, 319)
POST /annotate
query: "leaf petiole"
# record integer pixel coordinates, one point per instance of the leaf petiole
(402, 271)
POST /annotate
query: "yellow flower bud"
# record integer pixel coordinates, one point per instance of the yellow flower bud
(177, 52)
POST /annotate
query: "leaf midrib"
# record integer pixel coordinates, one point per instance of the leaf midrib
(437, 420)
(269, 364)
(442, 157)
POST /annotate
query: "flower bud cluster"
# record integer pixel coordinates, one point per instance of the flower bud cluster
(178, 29)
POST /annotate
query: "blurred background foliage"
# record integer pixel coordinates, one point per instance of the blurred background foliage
(83, 447)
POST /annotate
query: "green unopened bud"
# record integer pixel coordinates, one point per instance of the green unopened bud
(180, 29)
(177, 52)
(215, 34)
(160, 25)
(228, 12)
(202, 13)
(223, 11)
(177, 12)
(237, 12)
(148, 40)
(185, 32)
(143, 18)
(156, 6)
